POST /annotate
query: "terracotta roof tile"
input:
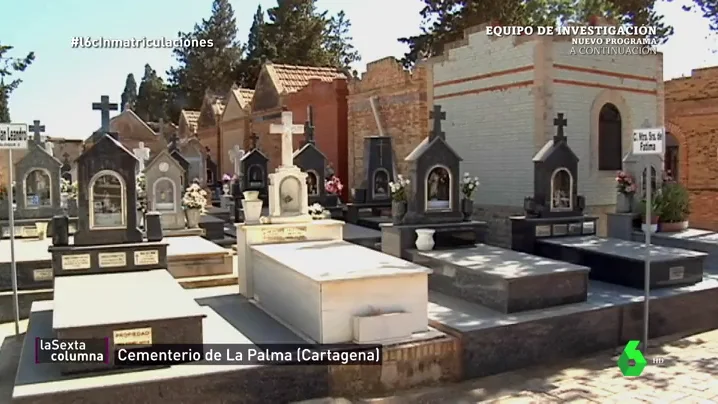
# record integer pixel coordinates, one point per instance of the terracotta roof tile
(243, 96)
(294, 78)
(191, 117)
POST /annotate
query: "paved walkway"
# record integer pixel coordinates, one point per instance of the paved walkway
(688, 374)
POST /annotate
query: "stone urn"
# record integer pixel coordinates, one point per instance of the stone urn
(193, 215)
(425, 239)
(398, 211)
(251, 195)
(252, 208)
(623, 203)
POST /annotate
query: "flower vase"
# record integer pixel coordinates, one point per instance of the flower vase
(64, 196)
(193, 215)
(623, 203)
(41, 228)
(398, 210)
(252, 210)
(425, 239)
(467, 208)
(251, 195)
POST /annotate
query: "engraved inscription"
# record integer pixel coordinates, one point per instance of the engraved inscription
(676, 273)
(112, 260)
(151, 257)
(75, 262)
(137, 336)
(560, 229)
(543, 231)
(574, 229)
(40, 275)
(589, 227)
(284, 234)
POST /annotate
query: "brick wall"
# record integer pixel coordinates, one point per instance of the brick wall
(692, 118)
(402, 108)
(329, 104)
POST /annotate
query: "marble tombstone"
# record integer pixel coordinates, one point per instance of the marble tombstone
(313, 162)
(379, 171)
(434, 194)
(253, 167)
(164, 176)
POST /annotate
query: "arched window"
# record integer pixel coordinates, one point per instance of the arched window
(312, 183)
(37, 186)
(380, 183)
(610, 153)
(438, 189)
(108, 201)
(561, 190)
(165, 195)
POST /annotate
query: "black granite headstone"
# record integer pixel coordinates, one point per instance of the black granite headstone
(555, 179)
(153, 226)
(60, 230)
(253, 167)
(379, 169)
(66, 169)
(434, 174)
(313, 162)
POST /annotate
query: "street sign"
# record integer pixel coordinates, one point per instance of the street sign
(649, 141)
(13, 136)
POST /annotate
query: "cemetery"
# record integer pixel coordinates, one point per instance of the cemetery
(161, 273)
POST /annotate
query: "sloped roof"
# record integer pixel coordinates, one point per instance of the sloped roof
(108, 138)
(291, 78)
(306, 146)
(191, 117)
(548, 149)
(253, 151)
(132, 114)
(243, 96)
(425, 145)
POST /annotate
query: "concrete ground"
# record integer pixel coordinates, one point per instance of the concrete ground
(688, 374)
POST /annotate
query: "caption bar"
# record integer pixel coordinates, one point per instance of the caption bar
(100, 351)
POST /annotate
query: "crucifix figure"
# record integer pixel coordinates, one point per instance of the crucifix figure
(287, 129)
(560, 122)
(37, 130)
(143, 154)
(309, 126)
(104, 106)
(254, 138)
(235, 156)
(437, 115)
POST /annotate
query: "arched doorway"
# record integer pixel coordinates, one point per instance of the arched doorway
(671, 159)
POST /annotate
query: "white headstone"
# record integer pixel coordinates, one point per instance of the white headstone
(235, 156)
(287, 129)
(143, 154)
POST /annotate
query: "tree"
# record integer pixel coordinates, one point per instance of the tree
(338, 42)
(445, 20)
(258, 51)
(9, 66)
(709, 9)
(129, 94)
(151, 97)
(207, 58)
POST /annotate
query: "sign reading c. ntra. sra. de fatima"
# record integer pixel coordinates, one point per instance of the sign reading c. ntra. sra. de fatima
(13, 136)
(649, 141)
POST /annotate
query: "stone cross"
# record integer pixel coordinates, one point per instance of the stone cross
(235, 156)
(254, 138)
(143, 154)
(287, 129)
(37, 129)
(104, 106)
(309, 126)
(49, 146)
(437, 115)
(560, 122)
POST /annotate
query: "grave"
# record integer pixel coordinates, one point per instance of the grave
(173, 149)
(192, 256)
(109, 265)
(433, 198)
(192, 151)
(253, 168)
(164, 176)
(379, 171)
(555, 227)
(314, 163)
(288, 266)
(37, 189)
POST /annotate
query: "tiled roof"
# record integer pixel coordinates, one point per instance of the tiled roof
(290, 79)
(243, 96)
(191, 117)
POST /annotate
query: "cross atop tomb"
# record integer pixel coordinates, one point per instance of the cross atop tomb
(37, 130)
(560, 122)
(143, 154)
(104, 106)
(437, 115)
(254, 139)
(287, 129)
(235, 156)
(309, 126)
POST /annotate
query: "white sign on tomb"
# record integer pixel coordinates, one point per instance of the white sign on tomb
(649, 141)
(13, 136)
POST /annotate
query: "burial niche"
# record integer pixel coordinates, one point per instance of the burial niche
(165, 193)
(438, 189)
(561, 190)
(312, 183)
(380, 183)
(290, 192)
(107, 201)
(256, 176)
(37, 187)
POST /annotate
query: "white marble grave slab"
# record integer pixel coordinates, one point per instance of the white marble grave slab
(190, 246)
(318, 287)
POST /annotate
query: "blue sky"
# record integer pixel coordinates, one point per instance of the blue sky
(60, 86)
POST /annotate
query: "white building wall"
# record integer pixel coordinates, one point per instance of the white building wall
(486, 90)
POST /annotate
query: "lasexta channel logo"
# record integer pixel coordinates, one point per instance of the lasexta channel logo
(631, 353)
